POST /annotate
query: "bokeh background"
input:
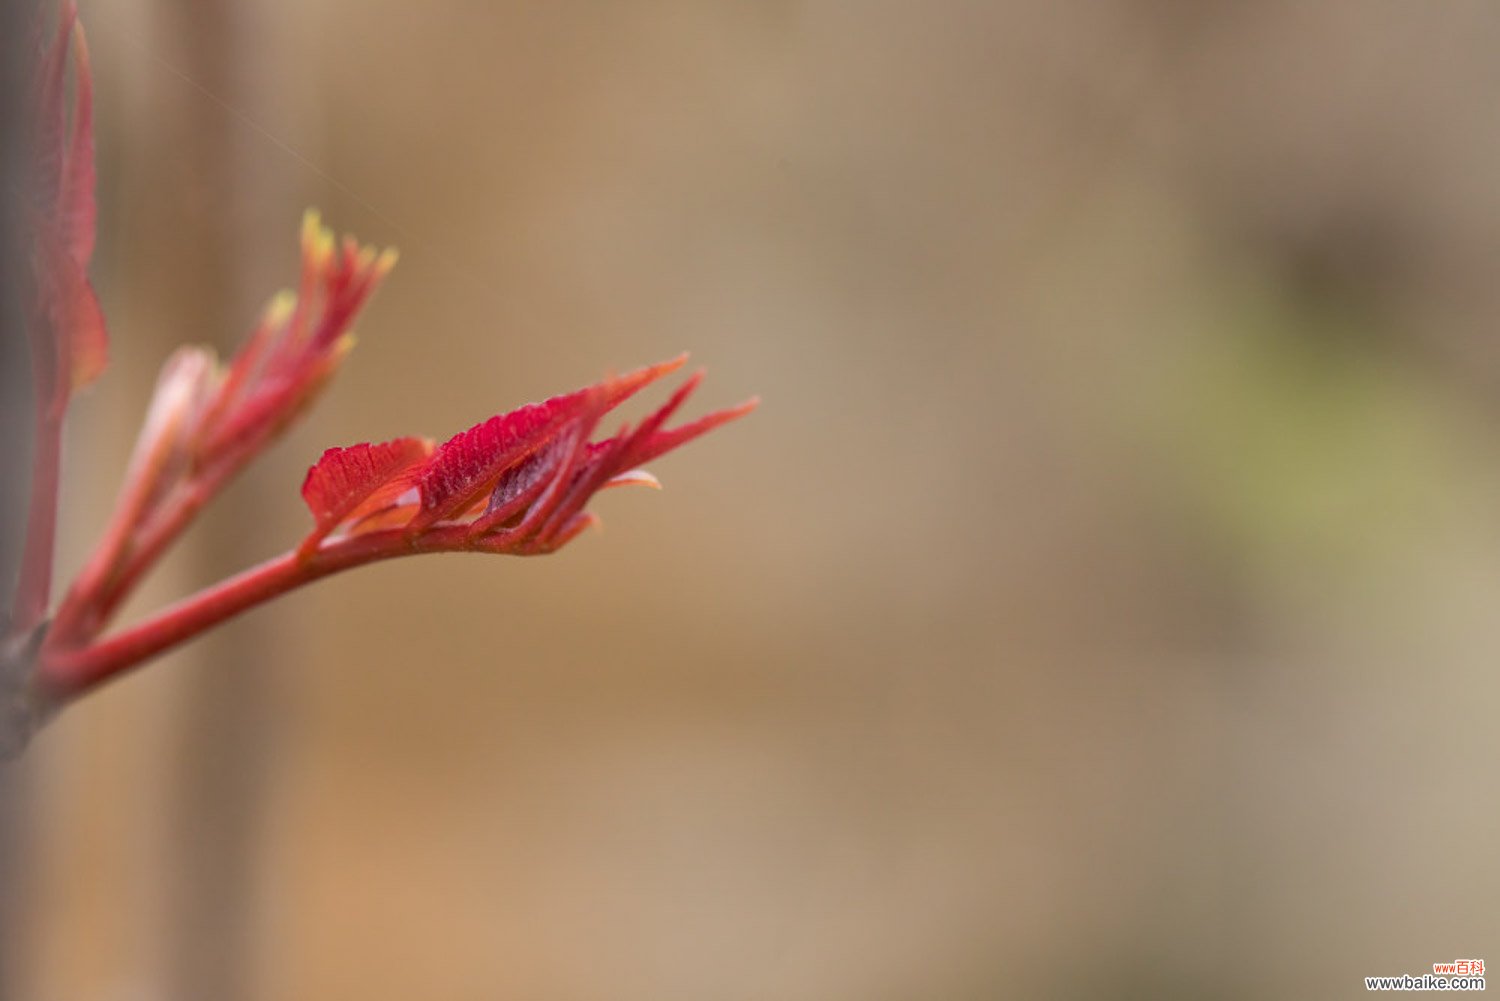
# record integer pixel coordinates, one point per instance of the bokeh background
(1102, 604)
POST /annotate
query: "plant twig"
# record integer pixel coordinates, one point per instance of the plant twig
(34, 588)
(67, 673)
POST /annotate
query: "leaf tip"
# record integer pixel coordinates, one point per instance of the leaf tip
(635, 478)
(386, 261)
(280, 308)
(317, 239)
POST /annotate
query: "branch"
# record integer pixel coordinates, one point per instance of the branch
(34, 588)
(63, 673)
(23, 707)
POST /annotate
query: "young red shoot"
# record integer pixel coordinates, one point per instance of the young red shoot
(518, 483)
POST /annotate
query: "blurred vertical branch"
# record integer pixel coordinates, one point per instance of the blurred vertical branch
(221, 763)
(14, 418)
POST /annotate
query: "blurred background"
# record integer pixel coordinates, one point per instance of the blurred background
(1102, 603)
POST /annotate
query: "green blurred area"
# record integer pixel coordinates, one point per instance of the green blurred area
(1312, 445)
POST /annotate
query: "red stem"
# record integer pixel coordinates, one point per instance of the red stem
(98, 601)
(65, 673)
(34, 588)
(130, 549)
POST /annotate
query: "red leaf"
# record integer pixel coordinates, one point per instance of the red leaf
(520, 485)
(661, 442)
(468, 465)
(614, 460)
(65, 311)
(296, 348)
(49, 111)
(76, 209)
(74, 320)
(394, 516)
(356, 481)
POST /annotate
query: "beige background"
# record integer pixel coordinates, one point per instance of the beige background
(1101, 605)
